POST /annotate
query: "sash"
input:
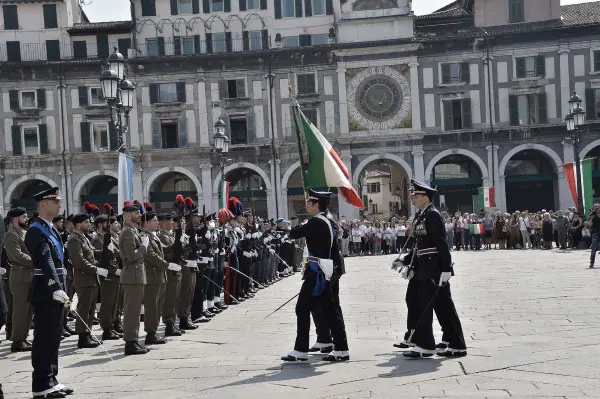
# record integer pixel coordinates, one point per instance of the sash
(48, 234)
(315, 266)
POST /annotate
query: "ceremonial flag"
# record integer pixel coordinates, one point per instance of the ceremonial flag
(486, 197)
(223, 194)
(585, 184)
(319, 163)
(125, 184)
(476, 228)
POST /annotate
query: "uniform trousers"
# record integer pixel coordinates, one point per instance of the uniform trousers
(423, 311)
(22, 313)
(210, 289)
(445, 311)
(133, 296)
(110, 297)
(220, 276)
(411, 302)
(48, 320)
(9, 305)
(86, 306)
(171, 301)
(3, 309)
(330, 306)
(154, 296)
(197, 307)
(188, 285)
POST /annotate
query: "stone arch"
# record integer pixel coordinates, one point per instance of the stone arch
(469, 154)
(395, 158)
(523, 147)
(589, 148)
(87, 177)
(288, 173)
(242, 165)
(178, 169)
(11, 188)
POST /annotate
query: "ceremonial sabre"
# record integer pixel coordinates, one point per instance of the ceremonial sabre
(288, 301)
(286, 265)
(245, 275)
(217, 285)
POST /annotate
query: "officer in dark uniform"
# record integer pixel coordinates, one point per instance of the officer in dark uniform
(47, 295)
(430, 271)
(318, 287)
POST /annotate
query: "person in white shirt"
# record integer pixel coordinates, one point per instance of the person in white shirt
(524, 226)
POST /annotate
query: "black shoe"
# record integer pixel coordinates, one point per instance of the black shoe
(96, 321)
(441, 347)
(117, 333)
(110, 335)
(67, 391)
(336, 358)
(51, 395)
(214, 310)
(186, 324)
(65, 334)
(403, 345)
(154, 339)
(69, 329)
(22, 346)
(85, 341)
(208, 314)
(416, 355)
(221, 306)
(171, 331)
(133, 348)
(201, 319)
(118, 327)
(453, 353)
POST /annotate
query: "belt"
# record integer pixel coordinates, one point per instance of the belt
(427, 251)
(39, 272)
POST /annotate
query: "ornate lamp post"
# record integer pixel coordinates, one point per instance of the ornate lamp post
(574, 121)
(221, 144)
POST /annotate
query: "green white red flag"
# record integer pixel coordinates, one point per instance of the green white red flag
(319, 163)
(486, 197)
(223, 194)
(585, 184)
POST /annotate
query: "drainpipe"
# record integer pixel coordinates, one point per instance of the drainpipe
(61, 91)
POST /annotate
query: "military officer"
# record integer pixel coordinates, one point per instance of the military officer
(115, 231)
(4, 275)
(47, 296)
(20, 278)
(188, 280)
(132, 248)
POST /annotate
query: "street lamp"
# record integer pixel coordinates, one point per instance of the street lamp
(574, 121)
(118, 93)
(221, 145)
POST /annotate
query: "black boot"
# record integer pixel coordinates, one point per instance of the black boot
(133, 348)
(110, 335)
(118, 327)
(68, 329)
(153, 339)
(186, 324)
(85, 341)
(171, 331)
(22, 346)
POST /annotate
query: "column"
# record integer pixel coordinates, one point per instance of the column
(138, 179)
(565, 88)
(565, 198)
(271, 208)
(414, 93)
(491, 180)
(501, 193)
(418, 163)
(2, 205)
(280, 210)
(343, 99)
(345, 209)
(207, 188)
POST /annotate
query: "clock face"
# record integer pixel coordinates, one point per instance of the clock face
(379, 98)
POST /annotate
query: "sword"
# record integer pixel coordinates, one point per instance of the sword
(245, 275)
(221, 288)
(288, 301)
(286, 265)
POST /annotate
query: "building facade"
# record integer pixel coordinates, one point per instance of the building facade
(472, 95)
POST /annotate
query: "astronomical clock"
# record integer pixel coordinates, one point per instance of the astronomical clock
(379, 98)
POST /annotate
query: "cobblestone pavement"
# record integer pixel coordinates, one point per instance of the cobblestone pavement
(531, 321)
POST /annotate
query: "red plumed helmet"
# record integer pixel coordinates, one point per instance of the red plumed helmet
(88, 207)
(109, 210)
(138, 203)
(127, 203)
(224, 216)
(235, 206)
(188, 201)
(147, 206)
(179, 198)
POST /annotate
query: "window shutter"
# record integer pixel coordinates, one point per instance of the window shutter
(307, 8)
(263, 4)
(86, 145)
(206, 6)
(180, 87)
(245, 41)
(513, 110)
(13, 51)
(277, 9)
(156, 134)
(300, 84)
(448, 125)
(465, 72)
(50, 20)
(590, 104)
(596, 61)
(227, 6)
(250, 129)
(445, 73)
(467, 122)
(542, 109)
(197, 49)
(240, 87)
(298, 8)
(195, 6)
(161, 46)
(79, 49)
(83, 96)
(209, 43)
(174, 7)
(223, 92)
(540, 65)
(153, 87)
(124, 46)
(265, 39)
(113, 138)
(183, 139)
(41, 98)
(228, 42)
(103, 50)
(521, 72)
(177, 45)
(329, 7)
(52, 50)
(13, 97)
(11, 17)
(16, 140)
(304, 40)
(311, 84)
(148, 8)
(242, 5)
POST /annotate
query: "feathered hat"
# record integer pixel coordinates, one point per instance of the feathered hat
(148, 206)
(190, 205)
(224, 215)
(91, 209)
(179, 206)
(235, 206)
(108, 209)
(138, 203)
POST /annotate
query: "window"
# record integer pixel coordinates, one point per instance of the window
(319, 39)
(375, 208)
(255, 40)
(96, 97)
(28, 99)
(219, 42)
(528, 67)
(79, 49)
(170, 134)
(217, 6)
(148, 8)
(318, 7)
(528, 109)
(31, 140)
(187, 45)
(290, 41)
(373, 188)
(50, 20)
(592, 103)
(312, 115)
(167, 92)
(13, 51)
(455, 73)
(232, 88)
(457, 114)
(454, 170)
(11, 17)
(305, 83)
(124, 45)
(252, 4)
(100, 137)
(516, 11)
(288, 8)
(152, 47)
(596, 61)
(53, 50)
(239, 129)
(185, 6)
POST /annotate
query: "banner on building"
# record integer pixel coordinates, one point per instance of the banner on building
(487, 197)
(585, 184)
(125, 184)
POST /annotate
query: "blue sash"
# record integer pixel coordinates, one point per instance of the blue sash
(48, 233)
(314, 266)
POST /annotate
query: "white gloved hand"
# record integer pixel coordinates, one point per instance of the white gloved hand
(445, 277)
(406, 273)
(396, 264)
(118, 272)
(2, 271)
(60, 296)
(207, 235)
(145, 241)
(248, 236)
(111, 247)
(174, 267)
(182, 239)
(272, 251)
(211, 225)
(191, 263)
(101, 272)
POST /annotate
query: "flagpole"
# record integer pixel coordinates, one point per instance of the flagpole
(293, 106)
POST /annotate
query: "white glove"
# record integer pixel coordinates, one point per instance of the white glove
(174, 267)
(445, 277)
(247, 254)
(238, 230)
(60, 296)
(255, 235)
(101, 272)
(406, 273)
(211, 225)
(182, 239)
(191, 263)
(111, 247)
(248, 236)
(118, 272)
(2, 271)
(222, 252)
(145, 241)
(272, 251)
(396, 264)
(207, 235)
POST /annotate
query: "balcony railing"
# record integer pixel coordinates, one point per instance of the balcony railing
(193, 46)
(23, 52)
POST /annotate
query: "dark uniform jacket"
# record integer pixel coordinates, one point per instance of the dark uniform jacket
(83, 258)
(154, 261)
(433, 256)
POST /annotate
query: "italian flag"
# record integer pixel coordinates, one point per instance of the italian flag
(585, 184)
(223, 194)
(486, 197)
(476, 228)
(319, 163)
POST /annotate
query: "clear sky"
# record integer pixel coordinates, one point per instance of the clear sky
(116, 10)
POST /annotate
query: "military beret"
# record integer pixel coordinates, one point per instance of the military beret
(148, 216)
(80, 217)
(100, 219)
(129, 207)
(49, 194)
(57, 219)
(16, 212)
(70, 218)
(165, 216)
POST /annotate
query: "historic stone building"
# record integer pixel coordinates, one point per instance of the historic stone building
(472, 95)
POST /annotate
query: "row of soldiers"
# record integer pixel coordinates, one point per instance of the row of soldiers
(140, 265)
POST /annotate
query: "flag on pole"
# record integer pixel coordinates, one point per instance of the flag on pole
(319, 163)
(223, 194)
(486, 197)
(125, 184)
(585, 184)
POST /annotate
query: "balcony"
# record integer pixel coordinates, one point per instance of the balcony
(55, 51)
(192, 45)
